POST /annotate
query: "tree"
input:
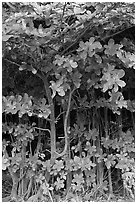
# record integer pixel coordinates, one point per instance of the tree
(68, 68)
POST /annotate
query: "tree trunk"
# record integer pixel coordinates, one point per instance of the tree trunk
(15, 181)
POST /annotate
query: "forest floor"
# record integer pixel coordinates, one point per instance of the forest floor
(117, 197)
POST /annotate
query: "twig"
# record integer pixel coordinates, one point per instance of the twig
(46, 150)
(59, 115)
(12, 62)
(42, 129)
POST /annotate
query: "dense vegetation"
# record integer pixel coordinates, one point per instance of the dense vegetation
(68, 101)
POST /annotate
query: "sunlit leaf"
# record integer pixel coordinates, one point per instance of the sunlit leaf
(34, 71)
(57, 87)
(73, 64)
(121, 83)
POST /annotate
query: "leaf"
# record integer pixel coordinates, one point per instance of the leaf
(63, 175)
(88, 48)
(76, 159)
(83, 55)
(15, 168)
(61, 91)
(78, 10)
(87, 135)
(82, 46)
(43, 108)
(94, 133)
(73, 64)
(58, 165)
(111, 78)
(78, 179)
(77, 182)
(127, 58)
(76, 78)
(121, 73)
(112, 48)
(59, 183)
(59, 60)
(115, 88)
(104, 186)
(27, 67)
(93, 45)
(37, 7)
(121, 83)
(6, 37)
(117, 100)
(123, 164)
(110, 161)
(44, 188)
(122, 103)
(47, 165)
(34, 71)
(86, 163)
(22, 67)
(83, 49)
(10, 105)
(98, 58)
(56, 87)
(29, 134)
(5, 163)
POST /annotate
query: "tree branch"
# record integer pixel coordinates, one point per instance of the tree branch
(63, 14)
(117, 33)
(11, 6)
(78, 38)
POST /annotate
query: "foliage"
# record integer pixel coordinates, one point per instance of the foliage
(68, 84)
